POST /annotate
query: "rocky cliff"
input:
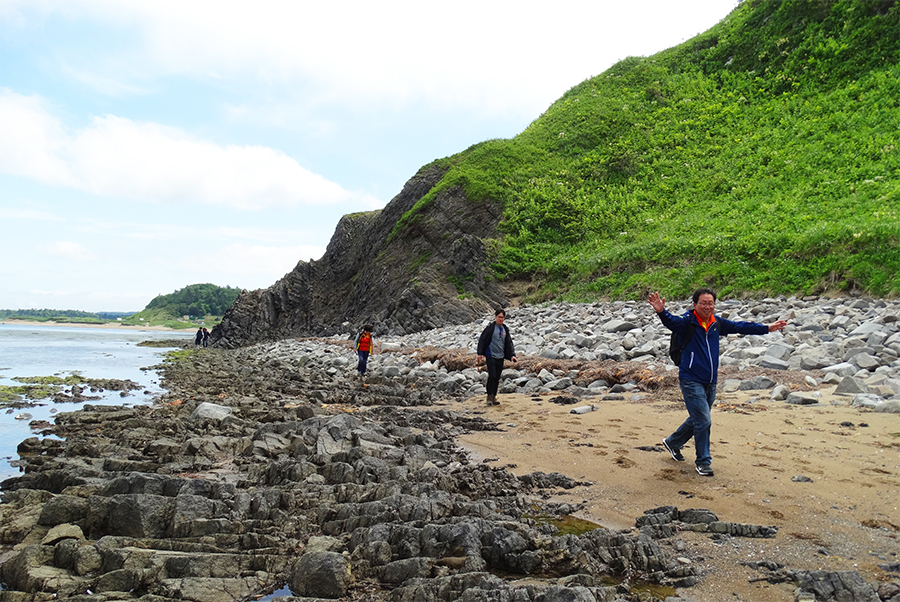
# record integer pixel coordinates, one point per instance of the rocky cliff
(430, 274)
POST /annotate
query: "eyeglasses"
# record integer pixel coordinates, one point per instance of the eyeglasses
(706, 304)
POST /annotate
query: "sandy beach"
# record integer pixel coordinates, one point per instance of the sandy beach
(846, 518)
(110, 325)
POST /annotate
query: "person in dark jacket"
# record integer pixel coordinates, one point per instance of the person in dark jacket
(494, 345)
(699, 368)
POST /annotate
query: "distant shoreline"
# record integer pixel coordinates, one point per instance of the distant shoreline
(111, 325)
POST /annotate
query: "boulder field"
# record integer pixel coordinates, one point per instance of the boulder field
(271, 467)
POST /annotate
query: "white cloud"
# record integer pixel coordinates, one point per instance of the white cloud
(103, 83)
(498, 57)
(124, 158)
(29, 214)
(30, 139)
(265, 264)
(68, 250)
(118, 157)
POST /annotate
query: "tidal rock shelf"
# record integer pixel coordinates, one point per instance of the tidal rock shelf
(271, 466)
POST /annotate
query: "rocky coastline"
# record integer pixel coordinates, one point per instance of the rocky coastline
(270, 467)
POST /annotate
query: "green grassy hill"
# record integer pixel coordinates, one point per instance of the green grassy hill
(761, 157)
(197, 302)
(52, 315)
(185, 308)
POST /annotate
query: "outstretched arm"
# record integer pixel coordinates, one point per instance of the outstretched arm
(658, 303)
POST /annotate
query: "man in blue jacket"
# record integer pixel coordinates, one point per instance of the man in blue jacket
(699, 369)
(495, 344)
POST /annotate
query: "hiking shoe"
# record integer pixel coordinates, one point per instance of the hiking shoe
(704, 470)
(492, 400)
(676, 453)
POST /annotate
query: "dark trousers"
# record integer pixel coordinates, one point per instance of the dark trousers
(363, 360)
(699, 399)
(494, 368)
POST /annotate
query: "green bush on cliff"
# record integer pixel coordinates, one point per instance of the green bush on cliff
(761, 156)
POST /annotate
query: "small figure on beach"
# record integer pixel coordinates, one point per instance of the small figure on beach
(699, 368)
(198, 339)
(495, 345)
(205, 338)
(365, 344)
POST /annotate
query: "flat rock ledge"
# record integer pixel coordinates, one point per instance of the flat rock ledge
(271, 467)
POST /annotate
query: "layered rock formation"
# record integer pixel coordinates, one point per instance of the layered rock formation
(244, 487)
(429, 274)
(268, 466)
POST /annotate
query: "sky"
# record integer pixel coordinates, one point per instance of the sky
(149, 145)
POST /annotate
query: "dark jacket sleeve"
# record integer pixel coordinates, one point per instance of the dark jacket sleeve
(729, 327)
(485, 339)
(675, 323)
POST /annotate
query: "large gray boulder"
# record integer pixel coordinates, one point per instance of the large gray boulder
(843, 586)
(864, 361)
(867, 328)
(757, 383)
(815, 360)
(851, 386)
(772, 363)
(211, 411)
(63, 509)
(889, 407)
(320, 575)
(842, 369)
(866, 400)
(133, 515)
(803, 398)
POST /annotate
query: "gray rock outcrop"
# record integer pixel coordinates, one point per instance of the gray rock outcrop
(426, 272)
(266, 455)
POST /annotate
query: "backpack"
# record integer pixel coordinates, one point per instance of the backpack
(676, 347)
(363, 341)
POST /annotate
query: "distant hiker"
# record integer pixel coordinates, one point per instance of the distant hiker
(365, 344)
(495, 344)
(205, 338)
(699, 368)
(199, 338)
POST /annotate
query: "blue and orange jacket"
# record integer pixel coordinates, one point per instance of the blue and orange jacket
(700, 358)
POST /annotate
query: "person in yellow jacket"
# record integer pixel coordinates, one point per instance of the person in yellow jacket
(365, 344)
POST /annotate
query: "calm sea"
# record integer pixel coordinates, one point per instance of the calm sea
(91, 352)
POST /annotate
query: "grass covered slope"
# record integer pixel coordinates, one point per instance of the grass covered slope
(196, 302)
(759, 157)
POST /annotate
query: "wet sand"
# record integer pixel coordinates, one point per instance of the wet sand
(847, 518)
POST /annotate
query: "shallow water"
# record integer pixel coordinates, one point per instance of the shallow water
(58, 350)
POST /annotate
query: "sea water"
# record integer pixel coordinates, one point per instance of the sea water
(27, 350)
